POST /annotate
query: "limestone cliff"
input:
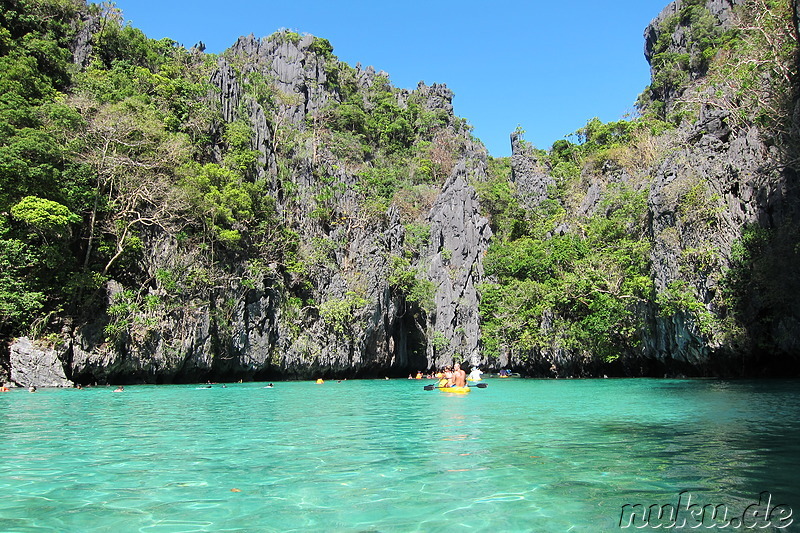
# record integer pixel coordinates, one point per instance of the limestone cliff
(369, 293)
(722, 196)
(327, 223)
(729, 177)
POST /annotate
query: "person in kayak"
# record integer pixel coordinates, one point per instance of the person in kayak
(446, 379)
(459, 376)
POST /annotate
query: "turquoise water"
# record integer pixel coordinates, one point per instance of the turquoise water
(520, 455)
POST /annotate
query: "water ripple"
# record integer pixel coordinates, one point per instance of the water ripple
(386, 456)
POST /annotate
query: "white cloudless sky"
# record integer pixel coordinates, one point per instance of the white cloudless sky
(546, 66)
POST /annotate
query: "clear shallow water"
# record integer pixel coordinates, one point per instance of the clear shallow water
(520, 455)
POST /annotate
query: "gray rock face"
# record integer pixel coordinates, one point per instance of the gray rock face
(37, 366)
(230, 91)
(720, 180)
(82, 45)
(460, 237)
(531, 178)
(436, 97)
(297, 73)
(682, 42)
(722, 10)
(741, 184)
(340, 317)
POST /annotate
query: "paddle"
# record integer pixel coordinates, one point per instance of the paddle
(479, 385)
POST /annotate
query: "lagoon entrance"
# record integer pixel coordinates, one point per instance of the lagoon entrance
(519, 455)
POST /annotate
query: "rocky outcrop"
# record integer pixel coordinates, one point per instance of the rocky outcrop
(677, 44)
(292, 64)
(437, 98)
(340, 316)
(460, 237)
(722, 210)
(723, 179)
(721, 10)
(529, 176)
(335, 312)
(38, 366)
(87, 25)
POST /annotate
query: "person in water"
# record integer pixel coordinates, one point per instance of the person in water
(475, 375)
(120, 389)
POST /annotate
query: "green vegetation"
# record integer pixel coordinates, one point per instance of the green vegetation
(91, 158)
(747, 67)
(406, 281)
(757, 66)
(759, 288)
(681, 298)
(674, 70)
(41, 191)
(338, 313)
(108, 160)
(102, 161)
(562, 283)
(576, 291)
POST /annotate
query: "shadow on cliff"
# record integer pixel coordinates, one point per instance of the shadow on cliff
(763, 282)
(764, 285)
(5, 362)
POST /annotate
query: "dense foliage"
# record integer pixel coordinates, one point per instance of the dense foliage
(92, 157)
(114, 146)
(563, 285)
(41, 189)
(109, 146)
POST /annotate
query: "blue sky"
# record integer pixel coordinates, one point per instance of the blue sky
(546, 66)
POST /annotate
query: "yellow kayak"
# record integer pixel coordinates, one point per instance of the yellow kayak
(457, 390)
